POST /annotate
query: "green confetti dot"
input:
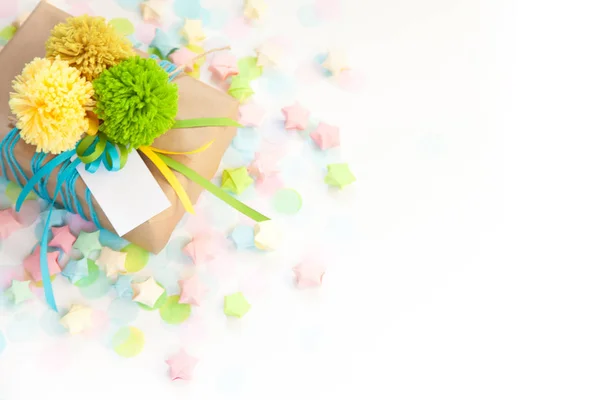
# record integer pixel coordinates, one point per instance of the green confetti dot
(137, 258)
(123, 26)
(287, 201)
(93, 273)
(172, 312)
(159, 302)
(13, 191)
(8, 32)
(128, 342)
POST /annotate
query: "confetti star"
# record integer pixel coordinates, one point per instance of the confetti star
(192, 290)
(236, 305)
(339, 175)
(267, 235)
(78, 319)
(192, 31)
(255, 9)
(224, 65)
(263, 166)
(268, 54)
(32, 264)
(87, 243)
(296, 117)
(326, 136)
(184, 57)
(182, 365)
(62, 238)
(308, 275)
(240, 88)
(163, 43)
(203, 247)
(152, 10)
(236, 180)
(20, 291)
(251, 114)
(147, 292)
(8, 223)
(123, 286)
(75, 270)
(336, 63)
(112, 261)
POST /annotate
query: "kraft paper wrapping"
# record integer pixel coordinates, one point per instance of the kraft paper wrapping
(196, 100)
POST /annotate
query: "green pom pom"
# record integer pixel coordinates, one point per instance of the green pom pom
(136, 102)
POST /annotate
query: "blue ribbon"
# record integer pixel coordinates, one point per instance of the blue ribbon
(65, 188)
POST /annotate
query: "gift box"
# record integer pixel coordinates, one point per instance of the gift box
(196, 100)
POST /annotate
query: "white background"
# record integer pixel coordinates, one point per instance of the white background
(476, 273)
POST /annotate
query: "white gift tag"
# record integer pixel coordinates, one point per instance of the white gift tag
(128, 197)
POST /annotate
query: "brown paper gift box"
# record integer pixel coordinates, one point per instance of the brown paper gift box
(196, 100)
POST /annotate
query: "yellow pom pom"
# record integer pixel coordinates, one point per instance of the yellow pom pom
(89, 44)
(51, 101)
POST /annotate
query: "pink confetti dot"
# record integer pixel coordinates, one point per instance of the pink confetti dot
(269, 185)
(145, 33)
(81, 9)
(328, 9)
(238, 28)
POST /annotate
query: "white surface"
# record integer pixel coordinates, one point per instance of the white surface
(144, 198)
(477, 279)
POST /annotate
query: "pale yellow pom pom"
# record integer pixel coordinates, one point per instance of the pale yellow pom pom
(50, 100)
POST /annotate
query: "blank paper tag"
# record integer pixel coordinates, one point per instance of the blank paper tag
(128, 197)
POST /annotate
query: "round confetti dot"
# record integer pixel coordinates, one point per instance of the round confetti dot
(128, 342)
(172, 312)
(2, 343)
(287, 201)
(137, 258)
(99, 288)
(243, 237)
(111, 240)
(123, 311)
(159, 302)
(123, 26)
(13, 191)
(93, 273)
(131, 5)
(190, 9)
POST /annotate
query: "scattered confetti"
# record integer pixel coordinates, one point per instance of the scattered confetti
(181, 366)
(243, 237)
(32, 264)
(236, 180)
(336, 63)
(148, 293)
(223, 65)
(20, 291)
(192, 291)
(236, 305)
(287, 201)
(255, 9)
(76, 270)
(251, 115)
(249, 68)
(112, 261)
(240, 88)
(137, 258)
(184, 57)
(163, 43)
(93, 272)
(62, 238)
(308, 275)
(269, 54)
(173, 312)
(8, 223)
(267, 235)
(128, 342)
(123, 286)
(192, 31)
(296, 117)
(152, 10)
(339, 175)
(123, 26)
(87, 243)
(78, 319)
(326, 136)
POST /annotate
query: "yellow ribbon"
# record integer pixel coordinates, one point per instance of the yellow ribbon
(198, 150)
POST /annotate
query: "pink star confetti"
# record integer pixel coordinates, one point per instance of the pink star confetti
(309, 275)
(251, 115)
(62, 238)
(269, 185)
(192, 290)
(326, 136)
(32, 264)
(78, 224)
(8, 223)
(263, 166)
(224, 65)
(181, 366)
(296, 117)
(203, 247)
(185, 57)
